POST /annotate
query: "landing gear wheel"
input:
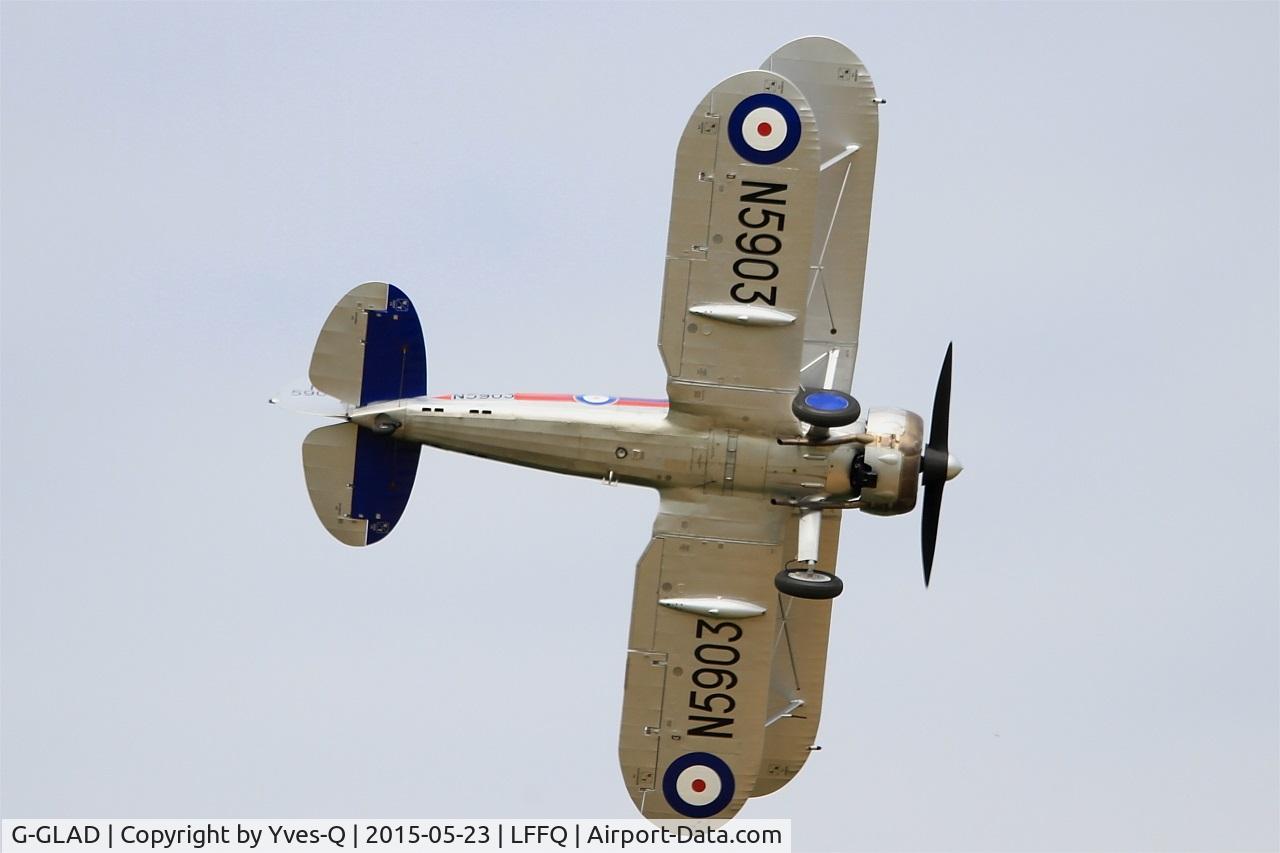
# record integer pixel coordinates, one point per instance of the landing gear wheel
(822, 407)
(384, 424)
(808, 583)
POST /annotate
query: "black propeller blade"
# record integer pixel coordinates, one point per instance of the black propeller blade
(934, 466)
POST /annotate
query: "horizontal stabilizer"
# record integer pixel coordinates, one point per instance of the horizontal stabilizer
(371, 348)
(359, 481)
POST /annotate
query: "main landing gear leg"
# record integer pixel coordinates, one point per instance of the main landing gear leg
(803, 580)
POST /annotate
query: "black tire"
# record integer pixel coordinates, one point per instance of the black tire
(793, 582)
(822, 407)
(384, 424)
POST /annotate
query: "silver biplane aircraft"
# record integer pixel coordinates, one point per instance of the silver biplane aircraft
(756, 454)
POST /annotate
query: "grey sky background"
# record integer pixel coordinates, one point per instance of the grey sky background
(1083, 197)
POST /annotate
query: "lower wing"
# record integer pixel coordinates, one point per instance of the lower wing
(714, 668)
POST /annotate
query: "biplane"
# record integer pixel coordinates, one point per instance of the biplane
(756, 453)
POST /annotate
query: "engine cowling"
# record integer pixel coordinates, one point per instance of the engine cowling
(893, 459)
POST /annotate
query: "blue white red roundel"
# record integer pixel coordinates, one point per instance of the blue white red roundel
(698, 784)
(764, 128)
(595, 399)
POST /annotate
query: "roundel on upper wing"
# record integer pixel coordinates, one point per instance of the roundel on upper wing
(764, 128)
(698, 784)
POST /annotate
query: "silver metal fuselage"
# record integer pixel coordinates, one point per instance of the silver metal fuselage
(641, 445)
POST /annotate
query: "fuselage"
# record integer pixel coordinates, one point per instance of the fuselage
(616, 439)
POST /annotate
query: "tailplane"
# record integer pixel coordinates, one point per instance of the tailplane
(370, 350)
(359, 481)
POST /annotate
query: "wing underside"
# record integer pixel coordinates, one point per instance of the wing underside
(718, 664)
(799, 667)
(843, 98)
(767, 249)
(736, 280)
(766, 258)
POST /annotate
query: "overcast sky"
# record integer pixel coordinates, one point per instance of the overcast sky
(1082, 196)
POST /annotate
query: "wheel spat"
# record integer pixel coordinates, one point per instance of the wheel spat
(934, 467)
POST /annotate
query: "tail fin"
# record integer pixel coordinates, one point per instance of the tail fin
(371, 348)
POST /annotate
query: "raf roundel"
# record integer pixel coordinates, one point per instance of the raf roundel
(698, 784)
(764, 129)
(595, 399)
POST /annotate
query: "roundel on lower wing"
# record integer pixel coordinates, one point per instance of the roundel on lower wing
(764, 128)
(698, 784)
(595, 399)
(825, 402)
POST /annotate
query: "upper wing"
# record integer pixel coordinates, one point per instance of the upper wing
(737, 276)
(709, 659)
(843, 99)
(799, 667)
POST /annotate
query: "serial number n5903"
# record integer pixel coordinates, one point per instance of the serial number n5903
(711, 706)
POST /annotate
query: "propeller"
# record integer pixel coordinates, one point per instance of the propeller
(938, 466)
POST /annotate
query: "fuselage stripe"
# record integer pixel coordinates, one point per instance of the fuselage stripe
(526, 397)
